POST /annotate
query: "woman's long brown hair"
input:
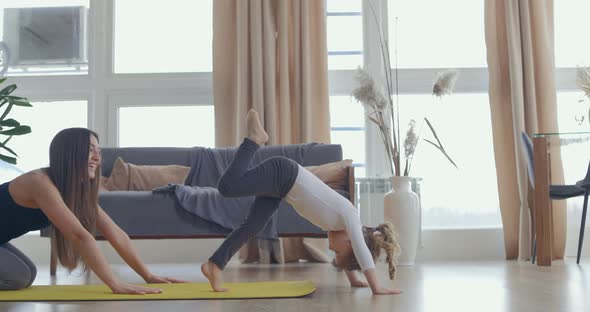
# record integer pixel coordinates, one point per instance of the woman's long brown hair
(68, 169)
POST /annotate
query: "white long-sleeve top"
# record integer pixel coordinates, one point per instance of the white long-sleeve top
(322, 206)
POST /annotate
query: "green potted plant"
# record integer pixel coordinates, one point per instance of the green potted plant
(9, 127)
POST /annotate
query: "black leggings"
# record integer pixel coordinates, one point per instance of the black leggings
(270, 182)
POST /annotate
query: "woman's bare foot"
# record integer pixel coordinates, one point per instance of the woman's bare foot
(256, 132)
(213, 273)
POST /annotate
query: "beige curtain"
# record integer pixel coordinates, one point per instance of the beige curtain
(520, 52)
(271, 55)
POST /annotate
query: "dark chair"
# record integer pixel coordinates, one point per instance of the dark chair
(582, 187)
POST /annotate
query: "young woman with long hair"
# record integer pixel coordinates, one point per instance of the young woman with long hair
(65, 195)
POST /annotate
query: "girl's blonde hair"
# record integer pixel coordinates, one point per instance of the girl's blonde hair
(383, 237)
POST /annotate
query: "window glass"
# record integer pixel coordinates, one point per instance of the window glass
(165, 36)
(167, 126)
(46, 119)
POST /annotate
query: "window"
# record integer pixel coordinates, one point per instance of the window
(46, 119)
(345, 44)
(427, 42)
(147, 59)
(40, 38)
(573, 117)
(165, 36)
(345, 34)
(572, 111)
(347, 129)
(175, 126)
(463, 197)
(441, 36)
(134, 51)
(571, 49)
(573, 106)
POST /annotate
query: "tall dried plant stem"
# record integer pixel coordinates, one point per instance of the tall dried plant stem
(396, 92)
(388, 80)
(411, 161)
(385, 137)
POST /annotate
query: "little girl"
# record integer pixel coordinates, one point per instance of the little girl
(279, 177)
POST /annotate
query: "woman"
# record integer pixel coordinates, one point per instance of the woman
(277, 178)
(65, 195)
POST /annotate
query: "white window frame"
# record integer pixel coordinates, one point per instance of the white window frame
(106, 91)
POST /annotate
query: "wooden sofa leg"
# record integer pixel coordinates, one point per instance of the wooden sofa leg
(52, 259)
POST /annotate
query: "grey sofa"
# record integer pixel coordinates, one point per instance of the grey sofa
(144, 215)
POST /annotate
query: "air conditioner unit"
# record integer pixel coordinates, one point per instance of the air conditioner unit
(48, 35)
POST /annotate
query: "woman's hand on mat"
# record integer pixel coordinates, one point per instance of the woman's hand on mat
(386, 291)
(153, 279)
(122, 288)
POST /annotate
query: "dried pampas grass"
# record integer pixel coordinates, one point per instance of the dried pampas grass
(382, 107)
(583, 79)
(445, 82)
(367, 93)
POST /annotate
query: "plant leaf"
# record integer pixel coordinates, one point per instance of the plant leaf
(9, 123)
(8, 159)
(8, 90)
(21, 103)
(3, 79)
(8, 108)
(20, 130)
(442, 150)
(7, 139)
(12, 97)
(8, 149)
(439, 145)
(373, 119)
(433, 131)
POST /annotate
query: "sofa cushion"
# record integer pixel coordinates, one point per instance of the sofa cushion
(130, 177)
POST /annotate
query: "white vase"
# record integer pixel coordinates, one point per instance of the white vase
(402, 208)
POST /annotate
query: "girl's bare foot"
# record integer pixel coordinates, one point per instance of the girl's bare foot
(256, 132)
(213, 273)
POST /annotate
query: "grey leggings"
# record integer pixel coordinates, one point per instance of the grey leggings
(16, 270)
(270, 182)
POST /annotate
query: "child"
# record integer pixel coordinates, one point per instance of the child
(279, 177)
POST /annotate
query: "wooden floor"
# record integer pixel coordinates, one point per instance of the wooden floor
(432, 286)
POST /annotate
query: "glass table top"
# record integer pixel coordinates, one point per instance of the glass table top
(561, 134)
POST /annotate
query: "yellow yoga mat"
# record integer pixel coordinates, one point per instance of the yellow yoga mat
(188, 291)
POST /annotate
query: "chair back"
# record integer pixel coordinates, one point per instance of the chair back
(527, 146)
(585, 182)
